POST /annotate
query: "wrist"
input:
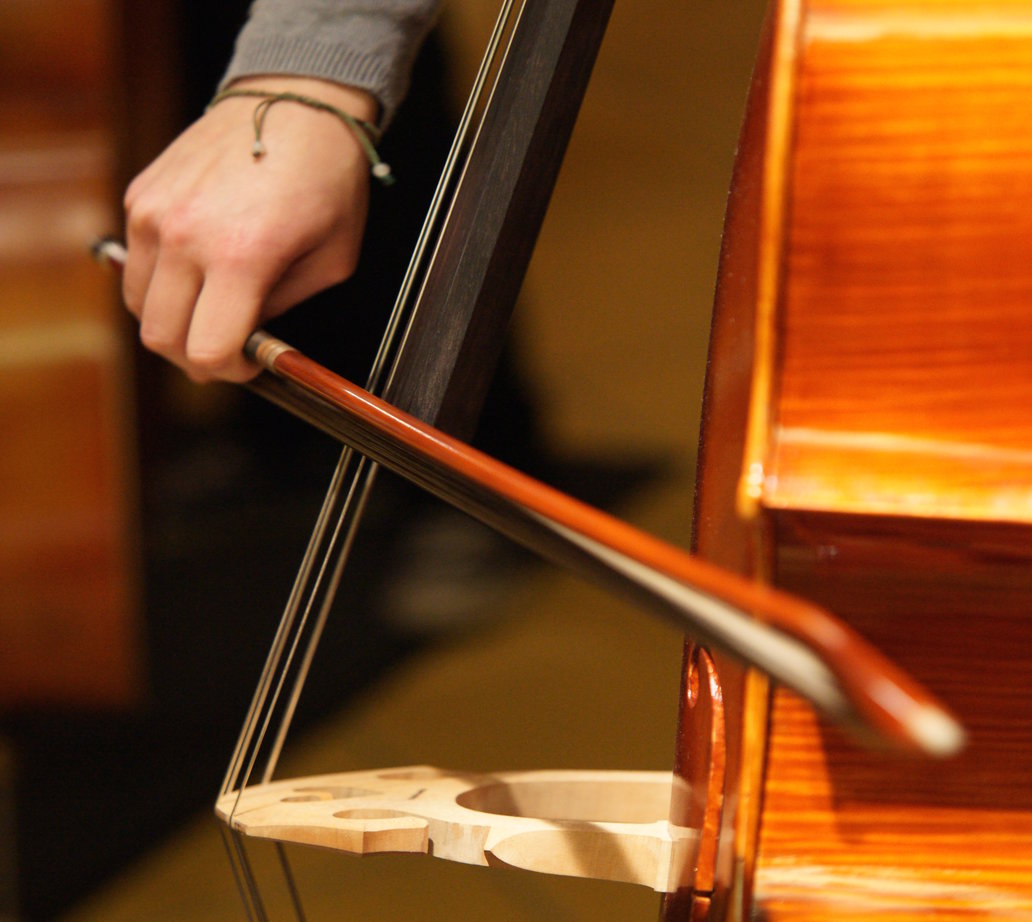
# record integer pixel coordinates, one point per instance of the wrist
(358, 103)
(276, 90)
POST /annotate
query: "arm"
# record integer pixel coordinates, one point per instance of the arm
(218, 241)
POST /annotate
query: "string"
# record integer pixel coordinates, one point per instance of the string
(243, 875)
(288, 876)
(326, 544)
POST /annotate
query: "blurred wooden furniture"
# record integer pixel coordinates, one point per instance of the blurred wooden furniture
(67, 540)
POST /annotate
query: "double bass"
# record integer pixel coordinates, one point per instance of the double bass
(863, 447)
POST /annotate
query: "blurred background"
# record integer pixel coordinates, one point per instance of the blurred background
(150, 529)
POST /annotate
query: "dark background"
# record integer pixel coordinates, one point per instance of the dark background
(230, 489)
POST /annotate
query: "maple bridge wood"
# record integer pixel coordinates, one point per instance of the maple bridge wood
(602, 825)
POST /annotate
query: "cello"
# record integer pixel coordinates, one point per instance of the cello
(797, 821)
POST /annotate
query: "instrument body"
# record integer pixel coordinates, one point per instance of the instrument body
(867, 445)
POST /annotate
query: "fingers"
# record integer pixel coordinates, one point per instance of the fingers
(192, 312)
(201, 323)
(199, 316)
(217, 241)
(166, 312)
(226, 313)
(200, 320)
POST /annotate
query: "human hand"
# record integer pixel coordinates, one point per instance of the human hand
(219, 242)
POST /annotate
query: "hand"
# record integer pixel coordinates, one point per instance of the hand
(219, 242)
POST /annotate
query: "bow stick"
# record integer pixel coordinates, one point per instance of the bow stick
(797, 643)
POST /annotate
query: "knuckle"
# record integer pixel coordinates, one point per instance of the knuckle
(335, 265)
(132, 194)
(142, 211)
(141, 223)
(177, 229)
(170, 227)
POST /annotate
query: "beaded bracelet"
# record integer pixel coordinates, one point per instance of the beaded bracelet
(366, 133)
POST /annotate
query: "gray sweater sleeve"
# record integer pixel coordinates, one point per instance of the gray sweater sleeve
(369, 44)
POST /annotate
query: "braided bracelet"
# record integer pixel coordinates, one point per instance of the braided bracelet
(366, 133)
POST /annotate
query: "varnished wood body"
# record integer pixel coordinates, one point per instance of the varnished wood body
(855, 835)
(886, 284)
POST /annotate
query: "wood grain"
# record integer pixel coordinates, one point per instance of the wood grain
(897, 486)
(904, 340)
(847, 832)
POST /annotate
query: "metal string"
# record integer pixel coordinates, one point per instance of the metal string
(243, 875)
(337, 522)
(288, 876)
(323, 543)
